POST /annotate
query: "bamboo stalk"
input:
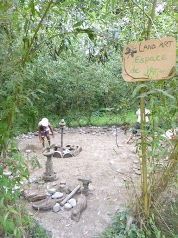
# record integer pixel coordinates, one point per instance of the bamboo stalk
(144, 162)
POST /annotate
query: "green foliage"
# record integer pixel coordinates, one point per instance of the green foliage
(62, 59)
(34, 229)
(170, 214)
(12, 172)
(125, 225)
(120, 227)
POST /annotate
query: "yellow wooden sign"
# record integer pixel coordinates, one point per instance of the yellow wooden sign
(149, 60)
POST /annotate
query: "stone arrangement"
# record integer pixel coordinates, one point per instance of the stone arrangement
(67, 151)
(57, 152)
(82, 130)
(85, 181)
(61, 198)
(49, 174)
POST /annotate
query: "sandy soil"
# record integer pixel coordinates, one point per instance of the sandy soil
(106, 159)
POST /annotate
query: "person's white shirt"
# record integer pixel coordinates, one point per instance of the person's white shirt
(46, 128)
(147, 113)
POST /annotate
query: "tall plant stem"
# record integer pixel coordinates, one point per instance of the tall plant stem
(143, 134)
(36, 32)
(150, 20)
(144, 159)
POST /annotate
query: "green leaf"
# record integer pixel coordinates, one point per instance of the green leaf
(9, 225)
(137, 90)
(6, 215)
(32, 7)
(91, 36)
(78, 24)
(165, 93)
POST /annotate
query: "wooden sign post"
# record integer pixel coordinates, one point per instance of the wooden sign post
(145, 61)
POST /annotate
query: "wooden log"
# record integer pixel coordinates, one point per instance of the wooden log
(79, 208)
(70, 195)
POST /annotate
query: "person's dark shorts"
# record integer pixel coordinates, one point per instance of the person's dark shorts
(136, 128)
(44, 133)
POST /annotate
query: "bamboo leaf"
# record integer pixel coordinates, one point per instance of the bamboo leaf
(165, 93)
(137, 89)
(6, 216)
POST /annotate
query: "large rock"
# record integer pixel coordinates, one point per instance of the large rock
(44, 204)
(34, 196)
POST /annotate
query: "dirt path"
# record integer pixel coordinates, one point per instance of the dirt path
(108, 164)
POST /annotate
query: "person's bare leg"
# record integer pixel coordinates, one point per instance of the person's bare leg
(42, 141)
(129, 139)
(49, 141)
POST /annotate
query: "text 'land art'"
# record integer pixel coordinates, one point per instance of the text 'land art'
(149, 60)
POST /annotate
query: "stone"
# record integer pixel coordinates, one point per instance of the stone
(57, 154)
(73, 202)
(41, 182)
(62, 188)
(77, 150)
(68, 206)
(48, 194)
(86, 180)
(56, 207)
(138, 172)
(59, 200)
(67, 155)
(135, 166)
(32, 196)
(63, 182)
(68, 146)
(44, 204)
(29, 195)
(51, 190)
(38, 197)
(57, 195)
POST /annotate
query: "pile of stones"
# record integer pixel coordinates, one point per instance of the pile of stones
(67, 151)
(61, 198)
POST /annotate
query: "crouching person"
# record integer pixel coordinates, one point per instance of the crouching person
(44, 129)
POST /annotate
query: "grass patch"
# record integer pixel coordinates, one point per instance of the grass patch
(121, 227)
(170, 215)
(101, 119)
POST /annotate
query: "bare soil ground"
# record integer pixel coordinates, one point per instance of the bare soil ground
(106, 159)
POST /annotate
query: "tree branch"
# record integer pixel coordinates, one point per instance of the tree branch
(36, 31)
(150, 21)
(150, 18)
